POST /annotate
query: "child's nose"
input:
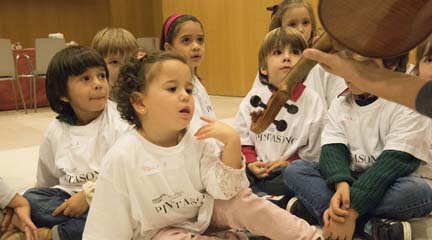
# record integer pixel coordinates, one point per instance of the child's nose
(196, 46)
(98, 83)
(184, 96)
(287, 56)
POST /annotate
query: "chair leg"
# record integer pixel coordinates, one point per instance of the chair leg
(15, 95)
(34, 92)
(21, 94)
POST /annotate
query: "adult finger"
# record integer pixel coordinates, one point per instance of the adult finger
(317, 55)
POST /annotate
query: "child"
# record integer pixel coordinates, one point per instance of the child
(162, 181)
(184, 34)
(299, 14)
(115, 45)
(14, 205)
(423, 66)
(75, 142)
(374, 164)
(268, 153)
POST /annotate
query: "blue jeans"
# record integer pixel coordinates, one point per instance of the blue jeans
(43, 201)
(408, 197)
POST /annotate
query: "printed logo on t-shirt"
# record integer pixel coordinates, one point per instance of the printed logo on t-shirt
(361, 161)
(276, 138)
(80, 178)
(209, 109)
(166, 203)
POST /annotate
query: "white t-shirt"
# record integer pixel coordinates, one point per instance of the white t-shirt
(6, 194)
(144, 188)
(302, 135)
(382, 125)
(327, 85)
(203, 106)
(69, 156)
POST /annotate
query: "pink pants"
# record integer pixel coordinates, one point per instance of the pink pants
(247, 211)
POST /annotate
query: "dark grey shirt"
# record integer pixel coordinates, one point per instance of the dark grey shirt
(423, 102)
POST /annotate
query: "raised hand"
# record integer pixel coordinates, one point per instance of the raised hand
(216, 129)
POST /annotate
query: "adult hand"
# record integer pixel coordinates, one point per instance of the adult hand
(75, 206)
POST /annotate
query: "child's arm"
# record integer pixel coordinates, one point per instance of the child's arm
(231, 154)
(21, 211)
(45, 174)
(222, 178)
(334, 164)
(389, 166)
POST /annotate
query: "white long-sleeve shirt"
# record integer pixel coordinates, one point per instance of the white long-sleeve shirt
(70, 156)
(144, 188)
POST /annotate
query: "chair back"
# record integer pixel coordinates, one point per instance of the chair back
(148, 43)
(45, 49)
(7, 67)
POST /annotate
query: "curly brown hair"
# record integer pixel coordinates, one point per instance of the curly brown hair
(135, 76)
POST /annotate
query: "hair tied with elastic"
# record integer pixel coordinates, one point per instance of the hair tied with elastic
(140, 55)
(273, 9)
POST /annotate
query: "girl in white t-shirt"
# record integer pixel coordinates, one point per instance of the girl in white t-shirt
(184, 34)
(74, 144)
(268, 153)
(163, 181)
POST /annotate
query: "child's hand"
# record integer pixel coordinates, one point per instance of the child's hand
(259, 169)
(18, 215)
(340, 202)
(338, 230)
(218, 130)
(75, 206)
(275, 164)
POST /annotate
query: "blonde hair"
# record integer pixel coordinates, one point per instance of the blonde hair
(280, 38)
(277, 16)
(114, 41)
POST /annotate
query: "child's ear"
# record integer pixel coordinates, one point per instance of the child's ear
(136, 100)
(263, 71)
(167, 46)
(64, 99)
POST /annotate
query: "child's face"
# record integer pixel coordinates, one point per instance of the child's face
(425, 68)
(114, 62)
(280, 62)
(88, 94)
(299, 19)
(354, 90)
(168, 101)
(189, 42)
